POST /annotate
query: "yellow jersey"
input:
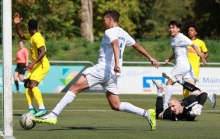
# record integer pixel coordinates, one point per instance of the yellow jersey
(194, 59)
(36, 41)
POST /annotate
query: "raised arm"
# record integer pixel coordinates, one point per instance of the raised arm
(141, 50)
(17, 21)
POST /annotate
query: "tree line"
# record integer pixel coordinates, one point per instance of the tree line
(71, 19)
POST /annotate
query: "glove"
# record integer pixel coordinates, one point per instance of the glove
(196, 110)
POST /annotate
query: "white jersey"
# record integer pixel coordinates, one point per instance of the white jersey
(179, 44)
(106, 54)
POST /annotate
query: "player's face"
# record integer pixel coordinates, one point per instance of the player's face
(174, 30)
(176, 107)
(107, 22)
(192, 32)
(21, 44)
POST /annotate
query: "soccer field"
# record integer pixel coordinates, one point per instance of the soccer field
(90, 117)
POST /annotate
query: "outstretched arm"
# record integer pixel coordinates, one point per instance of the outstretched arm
(141, 50)
(17, 21)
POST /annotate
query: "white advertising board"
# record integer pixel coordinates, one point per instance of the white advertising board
(138, 80)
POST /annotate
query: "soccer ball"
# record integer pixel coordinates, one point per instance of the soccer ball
(26, 121)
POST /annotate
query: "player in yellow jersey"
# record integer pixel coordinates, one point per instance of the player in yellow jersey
(194, 59)
(39, 66)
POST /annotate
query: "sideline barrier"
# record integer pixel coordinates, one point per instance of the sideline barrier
(133, 79)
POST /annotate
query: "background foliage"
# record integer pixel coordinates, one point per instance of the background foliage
(60, 19)
(145, 20)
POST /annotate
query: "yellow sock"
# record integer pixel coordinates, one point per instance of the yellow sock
(29, 96)
(37, 95)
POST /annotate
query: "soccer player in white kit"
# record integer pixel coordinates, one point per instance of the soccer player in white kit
(106, 72)
(182, 71)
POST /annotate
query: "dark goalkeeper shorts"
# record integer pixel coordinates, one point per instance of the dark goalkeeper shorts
(20, 68)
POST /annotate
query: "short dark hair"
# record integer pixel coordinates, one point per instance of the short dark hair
(193, 26)
(32, 24)
(113, 14)
(176, 23)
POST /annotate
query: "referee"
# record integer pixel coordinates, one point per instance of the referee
(22, 62)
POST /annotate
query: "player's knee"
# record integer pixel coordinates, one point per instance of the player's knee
(26, 83)
(114, 107)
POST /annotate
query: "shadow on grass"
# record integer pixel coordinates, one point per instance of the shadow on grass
(98, 128)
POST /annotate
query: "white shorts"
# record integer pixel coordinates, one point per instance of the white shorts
(183, 70)
(97, 75)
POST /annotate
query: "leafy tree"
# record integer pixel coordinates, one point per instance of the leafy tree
(163, 12)
(126, 8)
(144, 24)
(56, 17)
(207, 17)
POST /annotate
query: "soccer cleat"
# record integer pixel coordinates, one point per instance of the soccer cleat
(32, 111)
(169, 77)
(40, 113)
(160, 86)
(152, 119)
(46, 119)
(17, 91)
(212, 98)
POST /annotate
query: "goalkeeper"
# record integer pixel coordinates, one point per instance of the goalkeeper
(186, 109)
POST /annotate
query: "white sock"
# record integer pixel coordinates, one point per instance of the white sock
(67, 99)
(30, 106)
(159, 93)
(168, 94)
(128, 107)
(209, 95)
(41, 107)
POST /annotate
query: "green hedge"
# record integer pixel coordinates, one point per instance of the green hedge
(80, 49)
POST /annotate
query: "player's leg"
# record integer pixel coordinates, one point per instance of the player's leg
(16, 81)
(76, 88)
(211, 96)
(21, 73)
(29, 97)
(117, 105)
(168, 93)
(79, 86)
(36, 77)
(179, 70)
(159, 101)
(189, 84)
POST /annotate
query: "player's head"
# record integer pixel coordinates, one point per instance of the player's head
(192, 31)
(21, 43)
(32, 25)
(175, 106)
(111, 18)
(174, 28)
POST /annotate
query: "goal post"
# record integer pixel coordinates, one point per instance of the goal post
(7, 66)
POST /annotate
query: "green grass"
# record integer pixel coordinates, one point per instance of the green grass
(90, 117)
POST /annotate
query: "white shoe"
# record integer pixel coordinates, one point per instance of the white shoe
(212, 98)
(169, 77)
(160, 86)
